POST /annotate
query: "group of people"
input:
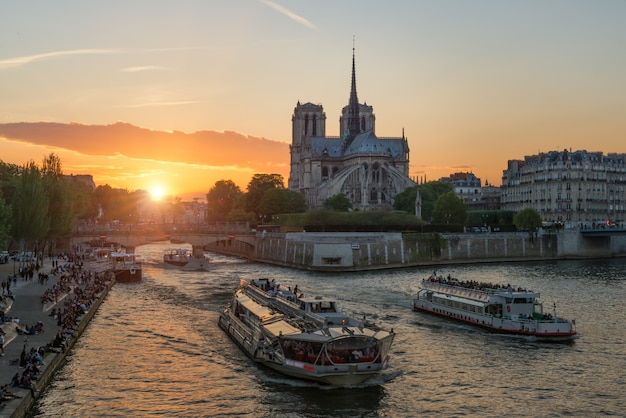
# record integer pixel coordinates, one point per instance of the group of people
(79, 288)
(471, 284)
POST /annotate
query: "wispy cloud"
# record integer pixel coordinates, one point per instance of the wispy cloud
(288, 13)
(158, 104)
(20, 61)
(142, 68)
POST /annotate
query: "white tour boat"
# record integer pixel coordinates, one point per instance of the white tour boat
(499, 309)
(304, 337)
(183, 258)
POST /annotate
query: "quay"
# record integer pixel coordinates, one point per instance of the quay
(28, 307)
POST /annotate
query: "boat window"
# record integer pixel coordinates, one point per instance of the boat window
(353, 350)
(302, 351)
(327, 306)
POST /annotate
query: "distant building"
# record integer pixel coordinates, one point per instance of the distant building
(367, 169)
(86, 179)
(577, 188)
(476, 197)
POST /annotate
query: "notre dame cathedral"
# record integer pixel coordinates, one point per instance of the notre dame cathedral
(367, 169)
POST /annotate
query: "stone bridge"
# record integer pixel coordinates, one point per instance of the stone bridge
(200, 241)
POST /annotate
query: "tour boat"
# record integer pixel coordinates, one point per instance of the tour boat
(496, 308)
(304, 337)
(178, 257)
(126, 266)
(183, 258)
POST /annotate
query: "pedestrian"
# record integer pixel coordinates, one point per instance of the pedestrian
(1, 343)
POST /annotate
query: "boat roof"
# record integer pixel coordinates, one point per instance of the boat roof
(117, 254)
(272, 320)
(479, 294)
(333, 332)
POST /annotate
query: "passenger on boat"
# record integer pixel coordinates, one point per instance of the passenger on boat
(357, 354)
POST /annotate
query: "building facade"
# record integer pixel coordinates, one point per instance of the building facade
(469, 189)
(370, 171)
(580, 188)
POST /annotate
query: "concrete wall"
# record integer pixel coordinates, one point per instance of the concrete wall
(368, 251)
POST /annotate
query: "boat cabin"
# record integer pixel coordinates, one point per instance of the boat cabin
(318, 305)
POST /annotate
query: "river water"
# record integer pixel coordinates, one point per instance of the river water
(154, 349)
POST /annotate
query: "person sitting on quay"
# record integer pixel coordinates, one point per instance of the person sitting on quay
(26, 382)
(6, 395)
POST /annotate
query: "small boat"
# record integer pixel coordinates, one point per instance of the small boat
(496, 308)
(183, 258)
(178, 257)
(125, 266)
(304, 337)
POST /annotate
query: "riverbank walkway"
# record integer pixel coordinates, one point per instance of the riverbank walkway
(29, 308)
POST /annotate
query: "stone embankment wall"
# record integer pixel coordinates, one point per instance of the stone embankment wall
(367, 251)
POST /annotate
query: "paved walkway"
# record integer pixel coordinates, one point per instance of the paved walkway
(28, 307)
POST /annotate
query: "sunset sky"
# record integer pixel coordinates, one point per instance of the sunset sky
(472, 83)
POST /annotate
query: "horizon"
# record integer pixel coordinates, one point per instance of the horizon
(471, 85)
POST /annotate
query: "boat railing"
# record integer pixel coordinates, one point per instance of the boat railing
(455, 290)
(287, 307)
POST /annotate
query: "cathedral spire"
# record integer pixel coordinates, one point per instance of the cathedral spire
(353, 123)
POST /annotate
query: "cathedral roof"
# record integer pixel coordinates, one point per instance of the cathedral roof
(364, 143)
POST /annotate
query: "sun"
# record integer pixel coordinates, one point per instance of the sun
(157, 193)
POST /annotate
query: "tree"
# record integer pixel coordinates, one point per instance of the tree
(221, 199)
(449, 209)
(429, 192)
(84, 204)
(5, 218)
(298, 204)
(58, 191)
(340, 203)
(31, 221)
(528, 218)
(120, 204)
(405, 200)
(274, 201)
(257, 187)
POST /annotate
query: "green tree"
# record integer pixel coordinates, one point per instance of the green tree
(449, 209)
(340, 203)
(5, 225)
(298, 204)
(405, 200)
(84, 203)
(58, 191)
(429, 193)
(30, 220)
(9, 173)
(257, 187)
(120, 204)
(221, 199)
(528, 218)
(274, 201)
